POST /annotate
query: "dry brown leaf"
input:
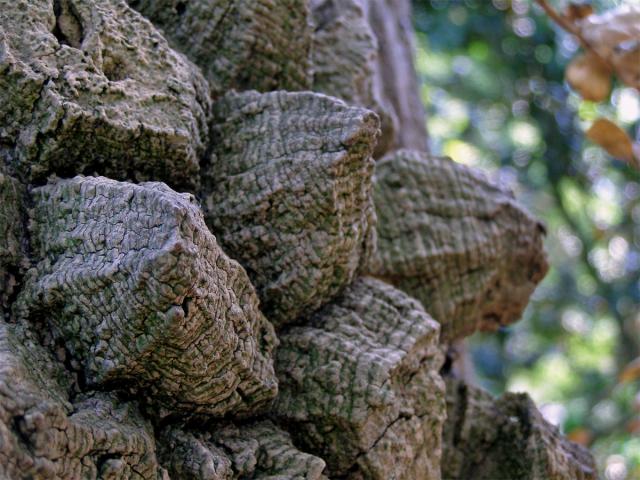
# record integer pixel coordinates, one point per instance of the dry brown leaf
(615, 36)
(607, 30)
(612, 138)
(634, 426)
(626, 61)
(612, 36)
(580, 435)
(576, 11)
(631, 372)
(588, 76)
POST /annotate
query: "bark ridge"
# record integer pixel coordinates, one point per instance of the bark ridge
(205, 273)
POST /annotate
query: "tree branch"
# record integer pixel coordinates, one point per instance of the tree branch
(571, 28)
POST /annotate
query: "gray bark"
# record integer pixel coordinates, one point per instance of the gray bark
(44, 435)
(345, 59)
(138, 328)
(91, 87)
(13, 242)
(457, 242)
(363, 53)
(488, 439)
(260, 450)
(297, 211)
(259, 45)
(131, 281)
(359, 385)
(395, 74)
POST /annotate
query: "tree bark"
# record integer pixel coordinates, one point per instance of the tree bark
(232, 332)
(395, 73)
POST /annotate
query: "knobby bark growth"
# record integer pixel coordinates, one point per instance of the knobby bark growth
(226, 253)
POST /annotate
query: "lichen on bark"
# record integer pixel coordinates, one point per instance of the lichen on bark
(258, 450)
(456, 241)
(259, 45)
(137, 335)
(359, 385)
(44, 435)
(13, 243)
(287, 192)
(90, 86)
(133, 283)
(492, 439)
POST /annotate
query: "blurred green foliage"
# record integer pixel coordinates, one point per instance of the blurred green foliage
(493, 72)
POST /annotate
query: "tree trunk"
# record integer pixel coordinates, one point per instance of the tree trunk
(205, 273)
(395, 73)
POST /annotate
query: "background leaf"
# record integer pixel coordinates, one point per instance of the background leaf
(589, 77)
(612, 138)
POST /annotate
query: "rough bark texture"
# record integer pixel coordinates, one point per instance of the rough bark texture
(294, 209)
(239, 44)
(395, 74)
(506, 438)
(457, 242)
(90, 86)
(13, 259)
(131, 281)
(363, 53)
(345, 55)
(133, 347)
(258, 450)
(359, 385)
(43, 435)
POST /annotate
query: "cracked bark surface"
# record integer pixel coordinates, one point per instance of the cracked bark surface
(359, 385)
(295, 210)
(457, 242)
(91, 87)
(345, 55)
(506, 438)
(258, 450)
(13, 258)
(133, 283)
(259, 45)
(43, 435)
(395, 74)
(133, 347)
